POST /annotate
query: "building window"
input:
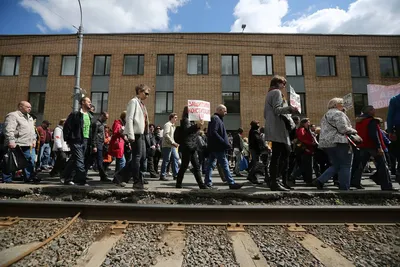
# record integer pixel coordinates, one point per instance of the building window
(261, 65)
(360, 101)
(165, 65)
(303, 103)
(40, 65)
(10, 66)
(231, 101)
(37, 102)
(325, 66)
(358, 66)
(294, 65)
(100, 102)
(102, 65)
(68, 65)
(389, 66)
(230, 65)
(133, 64)
(164, 102)
(197, 64)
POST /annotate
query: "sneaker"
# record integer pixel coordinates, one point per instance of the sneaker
(235, 186)
(210, 186)
(358, 186)
(163, 179)
(105, 179)
(169, 174)
(138, 186)
(69, 183)
(318, 184)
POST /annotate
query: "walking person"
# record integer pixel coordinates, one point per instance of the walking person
(188, 148)
(98, 136)
(169, 147)
(77, 134)
(137, 124)
(335, 126)
(237, 143)
(19, 131)
(152, 146)
(217, 146)
(278, 125)
(117, 142)
(393, 124)
(61, 149)
(157, 153)
(256, 143)
(45, 149)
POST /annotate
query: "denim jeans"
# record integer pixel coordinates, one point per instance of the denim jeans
(223, 162)
(341, 158)
(120, 163)
(77, 163)
(29, 170)
(382, 170)
(99, 161)
(44, 155)
(166, 154)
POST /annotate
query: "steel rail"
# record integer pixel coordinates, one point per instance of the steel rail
(203, 213)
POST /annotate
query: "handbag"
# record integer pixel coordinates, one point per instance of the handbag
(243, 164)
(288, 125)
(14, 160)
(353, 139)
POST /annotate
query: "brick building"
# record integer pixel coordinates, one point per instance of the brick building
(230, 68)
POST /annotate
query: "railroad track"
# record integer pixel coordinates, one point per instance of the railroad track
(163, 235)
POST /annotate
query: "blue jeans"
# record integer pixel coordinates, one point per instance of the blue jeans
(120, 163)
(223, 162)
(76, 163)
(44, 155)
(29, 170)
(166, 154)
(341, 158)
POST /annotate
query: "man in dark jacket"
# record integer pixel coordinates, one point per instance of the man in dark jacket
(393, 123)
(237, 150)
(372, 146)
(256, 143)
(98, 143)
(217, 145)
(151, 151)
(77, 135)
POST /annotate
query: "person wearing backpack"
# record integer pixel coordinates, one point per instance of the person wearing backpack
(169, 146)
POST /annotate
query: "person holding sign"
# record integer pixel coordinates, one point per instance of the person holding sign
(188, 148)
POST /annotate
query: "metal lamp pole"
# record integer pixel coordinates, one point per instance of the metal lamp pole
(77, 88)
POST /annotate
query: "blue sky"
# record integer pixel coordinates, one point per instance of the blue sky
(329, 16)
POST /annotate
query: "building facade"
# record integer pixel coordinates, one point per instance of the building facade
(230, 68)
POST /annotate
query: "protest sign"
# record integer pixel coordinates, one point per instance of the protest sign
(379, 95)
(294, 99)
(348, 101)
(199, 110)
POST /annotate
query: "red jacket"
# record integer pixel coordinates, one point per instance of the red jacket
(369, 130)
(116, 147)
(304, 136)
(44, 135)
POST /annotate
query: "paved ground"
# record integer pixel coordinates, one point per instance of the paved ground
(189, 184)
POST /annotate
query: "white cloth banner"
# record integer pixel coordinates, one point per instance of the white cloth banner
(199, 110)
(379, 95)
(294, 99)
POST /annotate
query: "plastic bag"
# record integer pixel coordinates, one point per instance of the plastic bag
(14, 160)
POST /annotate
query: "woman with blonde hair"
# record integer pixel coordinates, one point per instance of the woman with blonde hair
(335, 126)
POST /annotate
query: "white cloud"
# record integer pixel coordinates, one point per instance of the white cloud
(177, 28)
(361, 17)
(208, 5)
(41, 28)
(104, 16)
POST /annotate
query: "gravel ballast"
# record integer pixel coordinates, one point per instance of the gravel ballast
(208, 246)
(279, 248)
(137, 248)
(67, 248)
(377, 246)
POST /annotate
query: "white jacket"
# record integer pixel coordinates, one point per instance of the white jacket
(19, 129)
(135, 123)
(59, 142)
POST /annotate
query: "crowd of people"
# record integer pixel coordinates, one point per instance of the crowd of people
(286, 150)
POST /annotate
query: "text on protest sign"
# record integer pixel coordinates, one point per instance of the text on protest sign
(199, 110)
(294, 99)
(379, 95)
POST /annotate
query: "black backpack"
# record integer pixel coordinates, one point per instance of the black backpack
(178, 135)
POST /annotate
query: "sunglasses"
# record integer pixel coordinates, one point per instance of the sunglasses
(147, 94)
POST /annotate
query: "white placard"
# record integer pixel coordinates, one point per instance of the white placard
(294, 99)
(348, 101)
(199, 110)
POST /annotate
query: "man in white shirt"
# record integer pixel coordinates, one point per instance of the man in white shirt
(169, 148)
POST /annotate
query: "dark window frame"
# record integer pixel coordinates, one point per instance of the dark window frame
(329, 66)
(295, 64)
(138, 65)
(233, 98)
(40, 97)
(359, 64)
(105, 65)
(62, 60)
(17, 59)
(168, 69)
(99, 110)
(44, 64)
(202, 64)
(304, 105)
(169, 94)
(391, 59)
(266, 64)
(364, 97)
(233, 67)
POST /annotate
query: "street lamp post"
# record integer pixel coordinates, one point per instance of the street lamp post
(77, 88)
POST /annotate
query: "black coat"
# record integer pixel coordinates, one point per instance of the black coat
(190, 133)
(256, 143)
(73, 128)
(237, 142)
(217, 136)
